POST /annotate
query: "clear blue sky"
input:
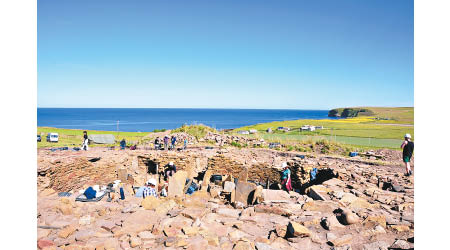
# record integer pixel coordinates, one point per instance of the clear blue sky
(225, 54)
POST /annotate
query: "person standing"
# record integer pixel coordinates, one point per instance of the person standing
(166, 142)
(286, 177)
(185, 143)
(408, 148)
(157, 142)
(85, 141)
(123, 144)
(173, 140)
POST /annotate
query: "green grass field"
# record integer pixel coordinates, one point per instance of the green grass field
(74, 137)
(370, 131)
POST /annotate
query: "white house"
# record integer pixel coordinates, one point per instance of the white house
(253, 131)
(285, 129)
(307, 128)
(243, 132)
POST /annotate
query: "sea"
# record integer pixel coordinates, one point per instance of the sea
(149, 119)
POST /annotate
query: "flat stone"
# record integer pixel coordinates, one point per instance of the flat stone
(234, 213)
(320, 206)
(263, 246)
(331, 236)
(270, 195)
(85, 220)
(250, 211)
(164, 207)
(341, 241)
(237, 235)
(331, 223)
(83, 235)
(135, 241)
(146, 235)
(42, 233)
(106, 224)
(373, 220)
(150, 202)
(193, 213)
(42, 243)
(190, 231)
(378, 245)
(254, 230)
(400, 228)
(297, 230)
(67, 231)
(243, 245)
(196, 243)
(400, 244)
(333, 182)
(317, 192)
(142, 220)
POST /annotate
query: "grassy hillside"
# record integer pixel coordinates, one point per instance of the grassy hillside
(198, 131)
(395, 115)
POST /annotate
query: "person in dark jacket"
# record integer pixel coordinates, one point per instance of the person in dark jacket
(85, 141)
(173, 141)
(123, 143)
(408, 148)
(170, 170)
(157, 142)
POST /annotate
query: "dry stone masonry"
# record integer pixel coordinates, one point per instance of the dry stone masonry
(350, 205)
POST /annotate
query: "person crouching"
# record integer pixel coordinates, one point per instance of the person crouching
(150, 189)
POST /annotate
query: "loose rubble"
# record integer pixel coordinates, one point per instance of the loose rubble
(349, 205)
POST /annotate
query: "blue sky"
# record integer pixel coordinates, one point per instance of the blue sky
(225, 54)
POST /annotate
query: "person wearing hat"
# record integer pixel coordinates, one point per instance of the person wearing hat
(408, 148)
(149, 189)
(286, 177)
(170, 170)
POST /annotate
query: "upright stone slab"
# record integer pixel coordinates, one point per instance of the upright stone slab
(122, 174)
(243, 191)
(135, 163)
(206, 179)
(243, 175)
(176, 184)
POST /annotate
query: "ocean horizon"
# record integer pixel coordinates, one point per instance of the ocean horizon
(149, 119)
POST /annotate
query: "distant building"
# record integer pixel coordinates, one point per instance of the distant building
(285, 129)
(319, 127)
(307, 128)
(243, 132)
(253, 131)
(269, 130)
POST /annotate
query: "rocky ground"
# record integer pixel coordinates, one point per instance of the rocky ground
(355, 203)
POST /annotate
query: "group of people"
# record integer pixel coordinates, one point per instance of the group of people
(150, 188)
(165, 141)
